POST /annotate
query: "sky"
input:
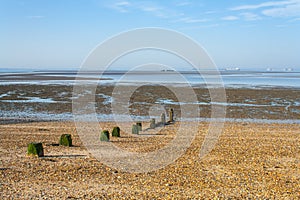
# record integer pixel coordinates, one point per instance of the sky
(60, 34)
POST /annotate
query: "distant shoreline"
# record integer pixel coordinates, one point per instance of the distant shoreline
(226, 79)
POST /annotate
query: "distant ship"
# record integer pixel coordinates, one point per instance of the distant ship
(167, 70)
(288, 69)
(232, 69)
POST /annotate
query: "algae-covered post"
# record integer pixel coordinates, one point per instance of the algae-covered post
(115, 132)
(171, 115)
(139, 124)
(104, 136)
(152, 123)
(163, 119)
(65, 140)
(35, 149)
(135, 129)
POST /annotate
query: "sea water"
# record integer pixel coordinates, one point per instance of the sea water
(229, 79)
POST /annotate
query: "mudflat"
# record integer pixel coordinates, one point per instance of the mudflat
(26, 102)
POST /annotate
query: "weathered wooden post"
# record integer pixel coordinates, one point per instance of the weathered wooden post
(163, 119)
(135, 129)
(65, 140)
(104, 136)
(116, 132)
(152, 123)
(35, 149)
(139, 124)
(171, 115)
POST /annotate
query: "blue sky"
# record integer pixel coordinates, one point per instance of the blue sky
(60, 33)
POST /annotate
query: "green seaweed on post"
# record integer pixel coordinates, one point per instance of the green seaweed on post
(116, 132)
(139, 124)
(35, 149)
(135, 129)
(104, 136)
(65, 140)
(152, 123)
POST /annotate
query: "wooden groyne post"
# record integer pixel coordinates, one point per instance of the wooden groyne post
(171, 115)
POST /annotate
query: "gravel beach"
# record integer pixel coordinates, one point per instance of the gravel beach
(257, 161)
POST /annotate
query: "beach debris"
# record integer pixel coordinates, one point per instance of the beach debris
(139, 124)
(35, 149)
(65, 140)
(104, 136)
(152, 123)
(115, 132)
(135, 129)
(171, 115)
(163, 119)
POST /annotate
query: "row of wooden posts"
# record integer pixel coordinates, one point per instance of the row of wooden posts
(36, 149)
(138, 126)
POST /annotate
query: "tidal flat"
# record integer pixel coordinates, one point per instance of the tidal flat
(26, 102)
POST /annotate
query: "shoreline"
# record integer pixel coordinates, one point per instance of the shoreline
(6, 121)
(231, 79)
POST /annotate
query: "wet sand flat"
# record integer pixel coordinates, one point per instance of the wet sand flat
(32, 102)
(257, 161)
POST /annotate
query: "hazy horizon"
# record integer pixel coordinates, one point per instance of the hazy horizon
(77, 69)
